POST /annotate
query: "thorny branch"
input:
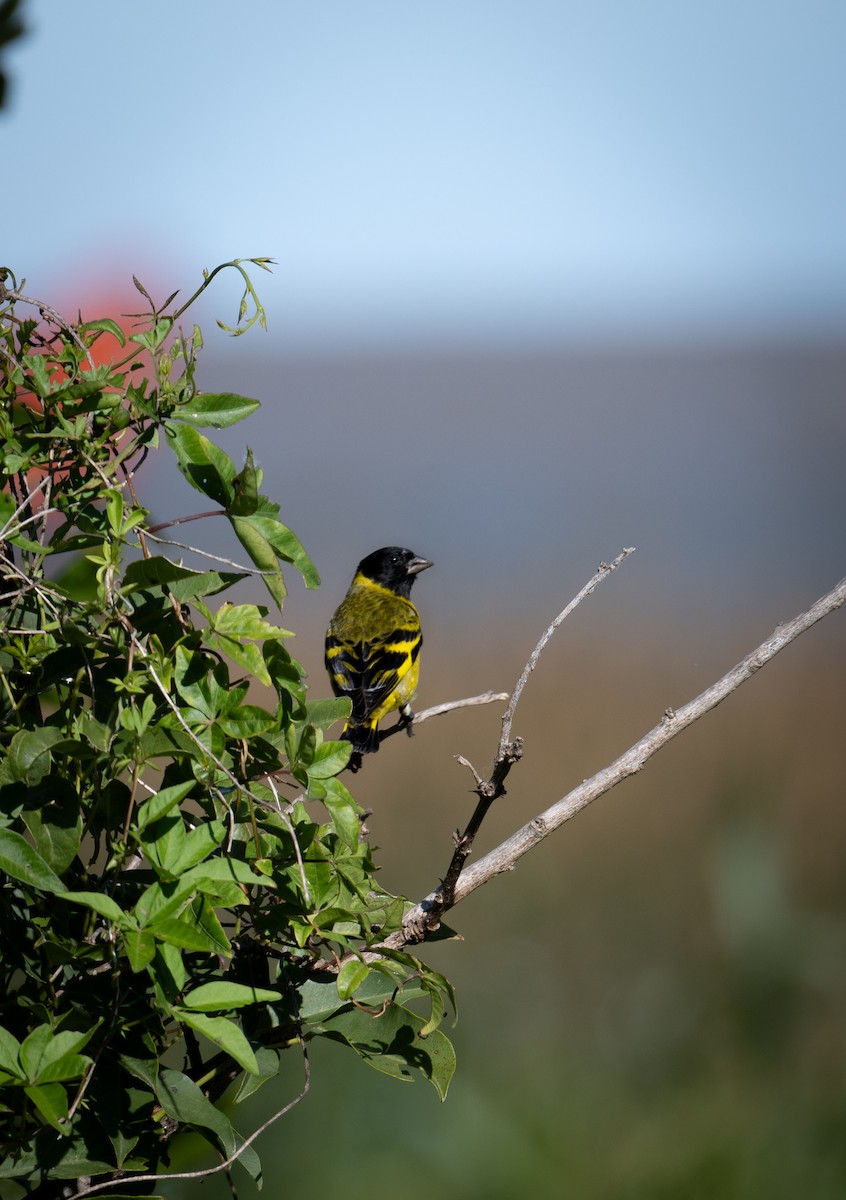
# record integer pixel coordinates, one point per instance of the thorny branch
(425, 916)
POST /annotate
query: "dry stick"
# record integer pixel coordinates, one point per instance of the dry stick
(215, 512)
(126, 1179)
(603, 572)
(438, 710)
(508, 752)
(404, 725)
(419, 920)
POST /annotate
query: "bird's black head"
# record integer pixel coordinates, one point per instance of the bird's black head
(393, 567)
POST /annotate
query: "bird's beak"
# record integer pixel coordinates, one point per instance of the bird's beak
(416, 565)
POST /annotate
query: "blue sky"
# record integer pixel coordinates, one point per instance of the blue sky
(474, 168)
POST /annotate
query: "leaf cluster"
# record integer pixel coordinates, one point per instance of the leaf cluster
(179, 861)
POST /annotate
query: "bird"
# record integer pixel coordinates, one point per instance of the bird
(373, 646)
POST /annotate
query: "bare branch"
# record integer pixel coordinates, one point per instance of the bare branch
(438, 710)
(423, 917)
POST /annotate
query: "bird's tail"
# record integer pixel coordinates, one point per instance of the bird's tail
(364, 738)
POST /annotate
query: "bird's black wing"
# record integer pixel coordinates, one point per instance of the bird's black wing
(368, 672)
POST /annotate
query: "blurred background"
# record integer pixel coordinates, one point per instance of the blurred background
(554, 278)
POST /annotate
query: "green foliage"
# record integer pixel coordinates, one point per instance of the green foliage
(183, 873)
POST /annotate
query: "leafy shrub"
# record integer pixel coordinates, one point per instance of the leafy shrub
(186, 891)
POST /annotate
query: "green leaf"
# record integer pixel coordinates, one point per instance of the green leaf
(18, 859)
(212, 997)
(164, 899)
(199, 843)
(7, 509)
(181, 1099)
(56, 829)
(245, 486)
(262, 555)
(283, 541)
(152, 338)
(286, 675)
(350, 977)
(28, 757)
(162, 841)
(436, 1015)
(224, 1033)
(203, 464)
(168, 971)
(329, 759)
(319, 1000)
(246, 621)
(185, 584)
(441, 1062)
(10, 1050)
(344, 811)
(49, 1057)
(102, 904)
(246, 721)
(39, 376)
(390, 1042)
(51, 1100)
(268, 1064)
(208, 924)
(145, 1069)
(225, 870)
(106, 325)
(323, 713)
(140, 948)
(246, 655)
(217, 409)
(184, 934)
(162, 802)
(204, 583)
(83, 388)
(301, 744)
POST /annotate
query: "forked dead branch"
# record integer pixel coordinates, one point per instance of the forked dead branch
(458, 882)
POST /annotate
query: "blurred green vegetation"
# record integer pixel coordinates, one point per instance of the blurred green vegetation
(652, 1004)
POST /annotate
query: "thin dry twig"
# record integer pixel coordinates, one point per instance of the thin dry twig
(126, 1178)
(604, 570)
(438, 710)
(227, 562)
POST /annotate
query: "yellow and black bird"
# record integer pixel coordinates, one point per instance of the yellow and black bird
(373, 645)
